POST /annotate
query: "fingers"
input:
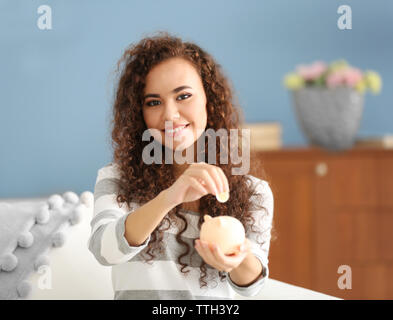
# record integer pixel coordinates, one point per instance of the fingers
(204, 249)
(217, 179)
(220, 177)
(211, 180)
(213, 255)
(247, 245)
(223, 179)
(207, 179)
(197, 185)
(213, 177)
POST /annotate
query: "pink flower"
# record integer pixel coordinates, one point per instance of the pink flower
(313, 71)
(347, 76)
(334, 79)
(352, 76)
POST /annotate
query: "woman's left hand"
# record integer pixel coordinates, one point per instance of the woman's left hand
(213, 255)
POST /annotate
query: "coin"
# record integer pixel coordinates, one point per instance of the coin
(223, 196)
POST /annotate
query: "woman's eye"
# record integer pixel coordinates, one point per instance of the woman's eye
(153, 103)
(184, 95)
(150, 103)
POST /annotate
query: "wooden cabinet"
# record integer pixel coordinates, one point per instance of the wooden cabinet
(332, 209)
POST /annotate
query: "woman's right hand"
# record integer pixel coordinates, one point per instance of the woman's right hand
(198, 180)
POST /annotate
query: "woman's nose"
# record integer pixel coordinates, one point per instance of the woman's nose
(171, 112)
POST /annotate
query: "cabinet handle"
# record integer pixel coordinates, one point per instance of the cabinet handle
(321, 169)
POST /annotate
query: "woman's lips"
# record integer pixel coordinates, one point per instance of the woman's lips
(177, 132)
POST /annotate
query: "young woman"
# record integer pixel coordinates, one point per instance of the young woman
(147, 215)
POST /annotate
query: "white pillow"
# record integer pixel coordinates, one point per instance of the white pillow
(73, 273)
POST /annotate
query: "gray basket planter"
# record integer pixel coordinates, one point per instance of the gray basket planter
(329, 118)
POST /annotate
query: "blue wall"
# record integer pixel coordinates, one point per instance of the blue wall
(57, 85)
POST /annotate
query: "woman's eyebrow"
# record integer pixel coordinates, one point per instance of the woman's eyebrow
(156, 95)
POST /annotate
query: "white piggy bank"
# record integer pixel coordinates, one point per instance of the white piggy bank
(225, 231)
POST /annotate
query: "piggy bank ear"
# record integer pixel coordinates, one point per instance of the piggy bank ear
(206, 217)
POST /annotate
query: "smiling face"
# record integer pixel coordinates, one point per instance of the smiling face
(174, 95)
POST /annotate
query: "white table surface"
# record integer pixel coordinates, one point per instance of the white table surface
(278, 290)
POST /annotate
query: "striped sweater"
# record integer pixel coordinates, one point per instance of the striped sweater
(133, 278)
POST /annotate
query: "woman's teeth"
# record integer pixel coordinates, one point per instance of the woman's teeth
(175, 130)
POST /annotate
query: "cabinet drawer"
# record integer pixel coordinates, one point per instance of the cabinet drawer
(385, 181)
(353, 182)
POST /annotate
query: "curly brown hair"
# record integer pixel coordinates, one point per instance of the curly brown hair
(141, 182)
